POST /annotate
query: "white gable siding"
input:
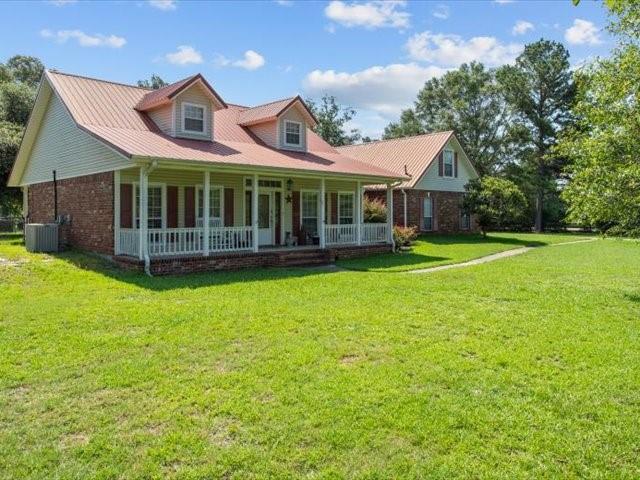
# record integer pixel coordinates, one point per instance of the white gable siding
(163, 118)
(61, 146)
(431, 181)
(267, 132)
(194, 94)
(296, 116)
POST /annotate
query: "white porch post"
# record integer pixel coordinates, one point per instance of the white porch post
(116, 212)
(390, 212)
(254, 211)
(143, 211)
(359, 213)
(206, 194)
(323, 219)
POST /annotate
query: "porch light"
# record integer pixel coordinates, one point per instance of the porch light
(289, 185)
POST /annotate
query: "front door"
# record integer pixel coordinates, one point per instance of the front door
(265, 219)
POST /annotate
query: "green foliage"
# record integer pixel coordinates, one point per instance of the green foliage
(332, 119)
(404, 236)
(408, 126)
(498, 203)
(10, 137)
(16, 102)
(155, 82)
(25, 69)
(374, 210)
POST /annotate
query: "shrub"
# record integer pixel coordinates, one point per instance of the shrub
(375, 211)
(404, 236)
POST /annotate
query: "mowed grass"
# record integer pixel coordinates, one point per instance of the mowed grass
(524, 367)
(433, 250)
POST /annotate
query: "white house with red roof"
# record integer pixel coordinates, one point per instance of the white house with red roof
(176, 179)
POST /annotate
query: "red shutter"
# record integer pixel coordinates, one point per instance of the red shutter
(455, 164)
(172, 207)
(295, 210)
(334, 208)
(228, 207)
(189, 207)
(126, 205)
(440, 165)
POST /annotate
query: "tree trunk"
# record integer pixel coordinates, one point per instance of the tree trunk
(539, 199)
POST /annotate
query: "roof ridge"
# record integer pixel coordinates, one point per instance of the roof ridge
(58, 72)
(272, 102)
(397, 138)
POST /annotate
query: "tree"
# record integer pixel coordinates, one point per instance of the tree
(539, 91)
(497, 203)
(16, 101)
(408, 126)
(10, 137)
(332, 119)
(155, 82)
(25, 69)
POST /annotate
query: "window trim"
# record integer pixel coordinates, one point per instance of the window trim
(444, 163)
(134, 206)
(353, 207)
(462, 224)
(317, 192)
(299, 144)
(424, 226)
(199, 187)
(204, 116)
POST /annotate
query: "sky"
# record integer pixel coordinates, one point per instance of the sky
(371, 55)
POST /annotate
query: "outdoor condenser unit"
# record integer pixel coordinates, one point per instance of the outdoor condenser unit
(41, 237)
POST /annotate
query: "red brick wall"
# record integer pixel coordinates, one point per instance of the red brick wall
(446, 205)
(88, 201)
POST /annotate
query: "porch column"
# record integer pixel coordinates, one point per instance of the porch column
(254, 211)
(143, 211)
(206, 194)
(390, 212)
(323, 219)
(116, 212)
(358, 213)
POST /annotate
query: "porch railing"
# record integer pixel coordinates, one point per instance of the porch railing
(375, 232)
(174, 241)
(340, 234)
(228, 239)
(128, 243)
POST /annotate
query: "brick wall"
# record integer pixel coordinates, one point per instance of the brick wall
(446, 204)
(88, 201)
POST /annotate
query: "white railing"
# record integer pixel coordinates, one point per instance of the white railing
(213, 222)
(375, 232)
(174, 241)
(228, 239)
(129, 242)
(340, 234)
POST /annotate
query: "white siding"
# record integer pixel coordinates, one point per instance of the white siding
(61, 146)
(163, 117)
(431, 181)
(267, 132)
(194, 94)
(296, 116)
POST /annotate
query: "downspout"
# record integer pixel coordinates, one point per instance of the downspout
(392, 186)
(147, 261)
(404, 206)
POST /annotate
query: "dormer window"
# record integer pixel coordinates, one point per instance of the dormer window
(448, 163)
(292, 133)
(192, 118)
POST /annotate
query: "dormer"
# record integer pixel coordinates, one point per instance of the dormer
(184, 109)
(281, 124)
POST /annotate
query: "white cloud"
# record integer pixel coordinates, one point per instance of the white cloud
(185, 55)
(251, 60)
(62, 3)
(521, 27)
(385, 90)
(583, 32)
(163, 4)
(503, 2)
(284, 3)
(441, 11)
(83, 39)
(372, 14)
(447, 49)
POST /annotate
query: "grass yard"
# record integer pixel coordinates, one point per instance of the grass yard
(524, 367)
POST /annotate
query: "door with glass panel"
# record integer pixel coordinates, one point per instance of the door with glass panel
(265, 219)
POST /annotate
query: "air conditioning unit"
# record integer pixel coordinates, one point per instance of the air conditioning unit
(41, 237)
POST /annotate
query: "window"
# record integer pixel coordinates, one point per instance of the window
(192, 118)
(448, 163)
(154, 207)
(215, 207)
(292, 132)
(345, 208)
(266, 183)
(427, 214)
(465, 221)
(309, 212)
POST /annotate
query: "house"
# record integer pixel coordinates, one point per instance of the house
(439, 170)
(177, 180)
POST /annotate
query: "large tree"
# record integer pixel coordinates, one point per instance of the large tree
(332, 119)
(408, 126)
(155, 82)
(539, 91)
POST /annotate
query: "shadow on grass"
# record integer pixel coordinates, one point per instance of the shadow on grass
(474, 239)
(103, 266)
(633, 297)
(380, 263)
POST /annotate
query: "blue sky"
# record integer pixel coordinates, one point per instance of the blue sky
(371, 55)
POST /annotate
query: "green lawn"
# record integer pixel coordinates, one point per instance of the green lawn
(434, 250)
(524, 367)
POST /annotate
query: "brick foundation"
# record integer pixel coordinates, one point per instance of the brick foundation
(86, 201)
(236, 261)
(446, 205)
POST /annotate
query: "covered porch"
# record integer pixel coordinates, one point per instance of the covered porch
(167, 212)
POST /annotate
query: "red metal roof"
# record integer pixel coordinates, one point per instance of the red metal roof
(107, 111)
(415, 153)
(271, 110)
(164, 95)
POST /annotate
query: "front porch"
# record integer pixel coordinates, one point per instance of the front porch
(168, 214)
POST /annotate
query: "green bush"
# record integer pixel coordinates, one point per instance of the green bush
(404, 236)
(375, 211)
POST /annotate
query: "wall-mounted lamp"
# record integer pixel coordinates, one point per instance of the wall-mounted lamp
(289, 185)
